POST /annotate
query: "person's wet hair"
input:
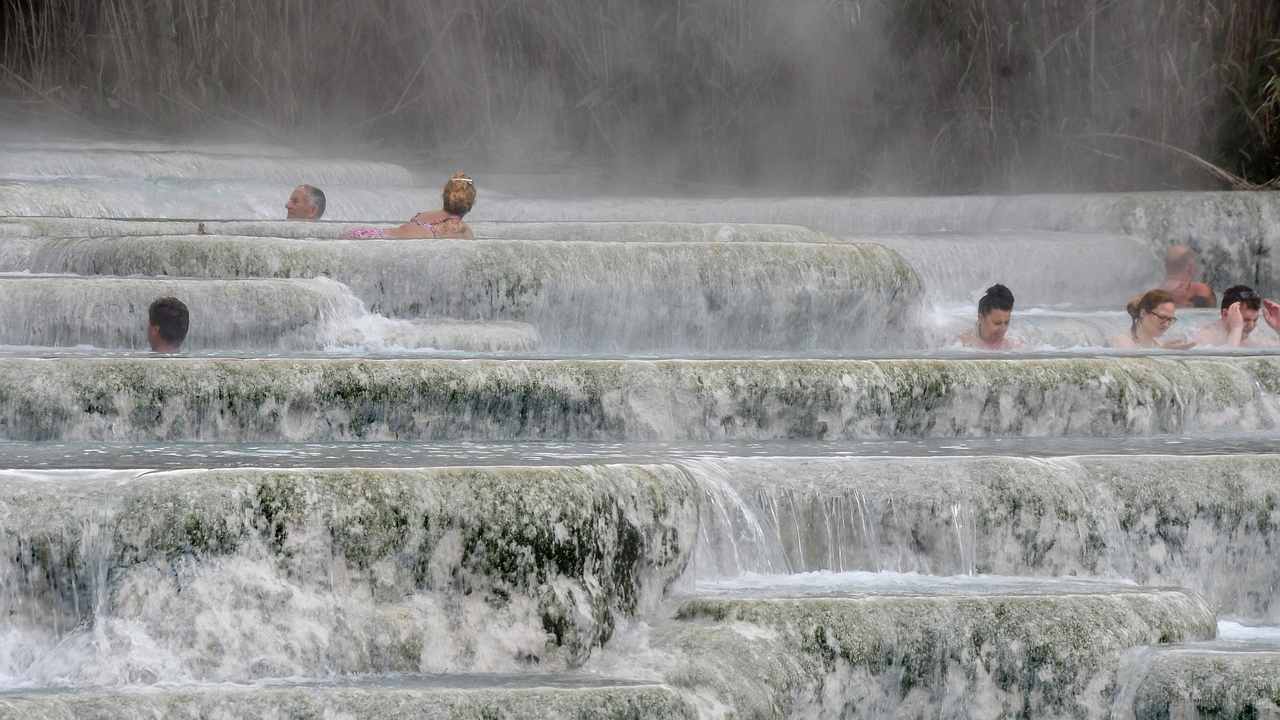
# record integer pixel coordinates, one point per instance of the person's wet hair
(316, 196)
(317, 199)
(998, 297)
(1147, 302)
(459, 194)
(1242, 294)
(170, 318)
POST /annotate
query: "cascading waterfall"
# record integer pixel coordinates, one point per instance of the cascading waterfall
(232, 315)
(1156, 520)
(136, 577)
(581, 296)
(1236, 233)
(727, 486)
(1046, 268)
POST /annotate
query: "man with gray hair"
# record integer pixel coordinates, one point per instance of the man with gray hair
(306, 202)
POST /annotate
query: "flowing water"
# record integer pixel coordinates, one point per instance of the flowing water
(618, 457)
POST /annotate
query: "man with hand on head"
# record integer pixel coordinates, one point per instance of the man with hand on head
(167, 325)
(306, 202)
(1241, 307)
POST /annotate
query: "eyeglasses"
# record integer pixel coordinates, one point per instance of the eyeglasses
(1165, 319)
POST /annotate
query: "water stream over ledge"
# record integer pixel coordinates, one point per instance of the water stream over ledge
(618, 457)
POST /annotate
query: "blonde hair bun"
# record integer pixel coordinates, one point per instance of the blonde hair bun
(459, 194)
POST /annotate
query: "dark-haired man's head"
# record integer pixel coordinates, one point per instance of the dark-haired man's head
(168, 321)
(1250, 305)
(306, 202)
(995, 312)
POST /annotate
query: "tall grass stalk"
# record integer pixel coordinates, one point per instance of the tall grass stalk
(863, 95)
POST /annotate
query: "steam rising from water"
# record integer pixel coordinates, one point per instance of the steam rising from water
(749, 585)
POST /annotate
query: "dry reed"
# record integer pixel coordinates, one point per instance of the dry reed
(871, 95)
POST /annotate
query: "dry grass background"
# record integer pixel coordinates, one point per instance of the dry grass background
(862, 95)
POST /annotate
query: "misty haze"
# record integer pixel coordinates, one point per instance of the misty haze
(675, 360)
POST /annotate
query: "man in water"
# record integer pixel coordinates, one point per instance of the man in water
(168, 321)
(995, 312)
(1241, 307)
(306, 202)
(1180, 279)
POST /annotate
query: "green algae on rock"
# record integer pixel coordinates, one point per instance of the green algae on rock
(998, 655)
(602, 702)
(1209, 682)
(435, 399)
(1206, 523)
(237, 573)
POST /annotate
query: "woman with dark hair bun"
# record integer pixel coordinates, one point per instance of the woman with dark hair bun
(995, 313)
(1152, 314)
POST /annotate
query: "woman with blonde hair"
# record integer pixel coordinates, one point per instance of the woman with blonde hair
(1152, 314)
(457, 200)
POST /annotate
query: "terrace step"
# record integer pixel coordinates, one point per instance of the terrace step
(312, 399)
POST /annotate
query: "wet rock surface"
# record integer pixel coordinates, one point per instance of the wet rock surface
(327, 399)
(941, 580)
(983, 655)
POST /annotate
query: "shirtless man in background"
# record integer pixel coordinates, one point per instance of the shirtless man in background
(1180, 279)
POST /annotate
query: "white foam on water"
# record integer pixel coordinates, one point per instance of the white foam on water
(238, 619)
(1057, 328)
(244, 621)
(1230, 630)
(894, 583)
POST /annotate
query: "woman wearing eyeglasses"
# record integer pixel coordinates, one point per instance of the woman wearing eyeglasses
(1153, 314)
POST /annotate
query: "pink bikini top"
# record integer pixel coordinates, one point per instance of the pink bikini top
(430, 226)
